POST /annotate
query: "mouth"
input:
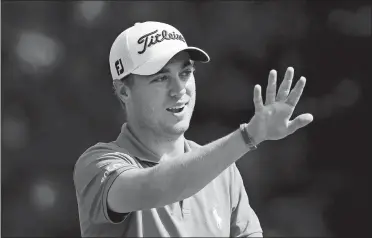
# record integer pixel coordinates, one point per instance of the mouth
(177, 109)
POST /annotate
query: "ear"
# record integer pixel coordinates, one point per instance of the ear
(121, 90)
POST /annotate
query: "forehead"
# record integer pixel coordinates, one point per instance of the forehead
(176, 63)
(178, 60)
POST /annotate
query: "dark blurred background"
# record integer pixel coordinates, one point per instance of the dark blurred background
(57, 100)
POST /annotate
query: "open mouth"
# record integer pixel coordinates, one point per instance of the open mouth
(176, 109)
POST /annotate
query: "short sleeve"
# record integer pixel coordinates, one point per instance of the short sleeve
(244, 221)
(94, 173)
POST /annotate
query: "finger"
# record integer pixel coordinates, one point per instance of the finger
(257, 98)
(271, 88)
(299, 122)
(296, 92)
(285, 86)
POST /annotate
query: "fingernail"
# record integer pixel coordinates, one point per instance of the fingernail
(290, 68)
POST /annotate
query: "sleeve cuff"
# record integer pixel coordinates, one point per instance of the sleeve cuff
(107, 187)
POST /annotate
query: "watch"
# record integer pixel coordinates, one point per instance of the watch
(248, 139)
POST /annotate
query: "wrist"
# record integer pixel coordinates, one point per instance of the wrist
(248, 139)
(254, 133)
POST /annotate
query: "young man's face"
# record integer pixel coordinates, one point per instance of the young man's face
(164, 102)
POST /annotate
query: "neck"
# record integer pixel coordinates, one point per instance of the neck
(165, 147)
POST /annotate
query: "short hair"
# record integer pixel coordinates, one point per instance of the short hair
(127, 81)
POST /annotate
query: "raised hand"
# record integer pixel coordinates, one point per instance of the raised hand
(271, 120)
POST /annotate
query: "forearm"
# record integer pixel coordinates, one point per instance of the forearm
(176, 179)
(182, 177)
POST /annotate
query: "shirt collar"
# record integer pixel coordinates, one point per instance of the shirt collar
(129, 142)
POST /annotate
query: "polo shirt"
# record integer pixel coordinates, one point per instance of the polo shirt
(220, 209)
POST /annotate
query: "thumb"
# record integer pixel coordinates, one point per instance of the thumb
(299, 122)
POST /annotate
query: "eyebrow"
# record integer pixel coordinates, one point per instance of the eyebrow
(185, 64)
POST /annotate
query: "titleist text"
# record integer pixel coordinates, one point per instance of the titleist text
(151, 39)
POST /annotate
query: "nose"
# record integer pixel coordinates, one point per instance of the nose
(177, 88)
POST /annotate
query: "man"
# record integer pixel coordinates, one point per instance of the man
(151, 181)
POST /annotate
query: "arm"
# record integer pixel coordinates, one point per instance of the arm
(176, 179)
(182, 177)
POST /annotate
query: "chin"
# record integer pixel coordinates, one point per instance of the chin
(178, 128)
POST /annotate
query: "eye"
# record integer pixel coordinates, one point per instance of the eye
(160, 79)
(187, 72)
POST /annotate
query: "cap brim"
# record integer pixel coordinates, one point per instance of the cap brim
(155, 64)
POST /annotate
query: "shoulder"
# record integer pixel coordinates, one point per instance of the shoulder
(101, 156)
(100, 150)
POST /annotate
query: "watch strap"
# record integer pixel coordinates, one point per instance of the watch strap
(247, 137)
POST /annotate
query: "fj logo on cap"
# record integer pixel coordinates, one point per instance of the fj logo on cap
(151, 39)
(119, 67)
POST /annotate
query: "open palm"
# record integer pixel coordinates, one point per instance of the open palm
(272, 119)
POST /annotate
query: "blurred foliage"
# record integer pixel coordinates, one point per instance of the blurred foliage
(57, 100)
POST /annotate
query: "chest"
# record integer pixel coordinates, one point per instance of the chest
(207, 213)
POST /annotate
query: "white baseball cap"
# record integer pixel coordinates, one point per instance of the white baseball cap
(146, 48)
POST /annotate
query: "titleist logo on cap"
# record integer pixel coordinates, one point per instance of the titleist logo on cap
(151, 39)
